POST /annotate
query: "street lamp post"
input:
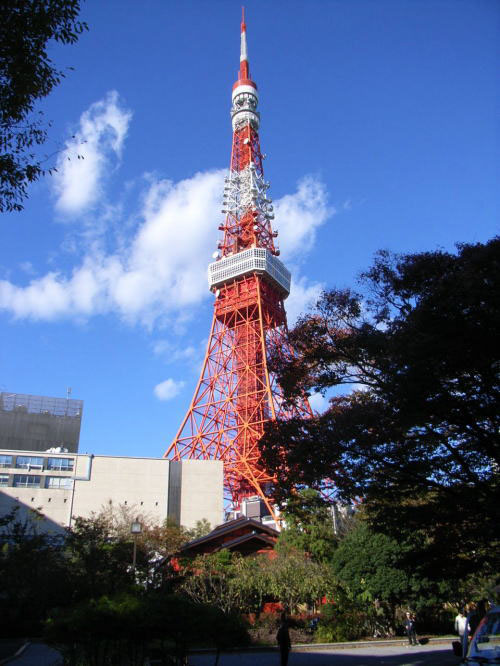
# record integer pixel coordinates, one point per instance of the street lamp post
(135, 529)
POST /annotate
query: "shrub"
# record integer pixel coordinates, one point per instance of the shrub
(339, 624)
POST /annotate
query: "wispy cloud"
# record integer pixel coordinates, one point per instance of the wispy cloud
(168, 389)
(299, 215)
(171, 353)
(303, 296)
(93, 149)
(27, 267)
(154, 266)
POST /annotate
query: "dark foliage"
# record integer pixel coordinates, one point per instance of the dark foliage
(27, 74)
(33, 573)
(125, 629)
(99, 562)
(418, 440)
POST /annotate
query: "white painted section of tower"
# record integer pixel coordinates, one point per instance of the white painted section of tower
(254, 260)
(245, 88)
(243, 54)
(246, 190)
(244, 108)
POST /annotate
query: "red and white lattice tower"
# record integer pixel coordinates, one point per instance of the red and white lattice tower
(237, 394)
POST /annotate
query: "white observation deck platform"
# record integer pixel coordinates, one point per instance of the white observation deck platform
(254, 260)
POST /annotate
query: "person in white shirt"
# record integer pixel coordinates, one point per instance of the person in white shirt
(460, 622)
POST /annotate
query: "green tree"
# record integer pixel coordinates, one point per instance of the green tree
(100, 562)
(124, 629)
(33, 573)
(27, 75)
(155, 540)
(370, 568)
(308, 527)
(419, 437)
(294, 579)
(241, 584)
(201, 529)
(211, 579)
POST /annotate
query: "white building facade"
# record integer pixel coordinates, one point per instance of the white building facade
(63, 486)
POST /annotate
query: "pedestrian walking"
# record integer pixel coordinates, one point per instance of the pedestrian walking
(460, 622)
(410, 629)
(283, 638)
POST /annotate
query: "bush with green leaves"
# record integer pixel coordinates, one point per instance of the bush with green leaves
(125, 629)
(341, 622)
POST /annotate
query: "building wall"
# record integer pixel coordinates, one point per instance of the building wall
(37, 422)
(135, 482)
(95, 481)
(198, 477)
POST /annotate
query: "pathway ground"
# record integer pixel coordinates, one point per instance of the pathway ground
(431, 654)
(37, 654)
(372, 654)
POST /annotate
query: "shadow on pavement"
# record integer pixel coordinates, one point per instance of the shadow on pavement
(439, 656)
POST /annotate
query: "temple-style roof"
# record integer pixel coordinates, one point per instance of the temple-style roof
(243, 535)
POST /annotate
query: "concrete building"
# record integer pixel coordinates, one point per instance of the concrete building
(38, 422)
(63, 486)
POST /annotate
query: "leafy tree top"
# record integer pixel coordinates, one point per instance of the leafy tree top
(418, 437)
(309, 526)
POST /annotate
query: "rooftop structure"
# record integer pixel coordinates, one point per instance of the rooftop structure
(39, 423)
(241, 535)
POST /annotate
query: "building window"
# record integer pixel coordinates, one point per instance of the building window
(4, 479)
(5, 461)
(28, 462)
(64, 482)
(26, 481)
(61, 464)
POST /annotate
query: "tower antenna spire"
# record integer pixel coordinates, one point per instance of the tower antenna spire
(244, 73)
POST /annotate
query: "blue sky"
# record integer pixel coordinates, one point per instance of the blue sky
(380, 125)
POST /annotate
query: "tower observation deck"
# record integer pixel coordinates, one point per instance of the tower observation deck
(237, 394)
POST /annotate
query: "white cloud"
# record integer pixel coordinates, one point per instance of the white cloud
(299, 215)
(27, 267)
(171, 353)
(89, 153)
(302, 297)
(154, 268)
(161, 269)
(168, 389)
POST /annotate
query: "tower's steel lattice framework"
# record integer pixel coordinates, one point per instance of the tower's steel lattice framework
(236, 393)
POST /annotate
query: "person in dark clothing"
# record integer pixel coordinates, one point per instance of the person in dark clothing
(475, 617)
(410, 629)
(283, 638)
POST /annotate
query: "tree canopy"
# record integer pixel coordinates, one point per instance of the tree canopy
(309, 527)
(417, 437)
(27, 75)
(368, 564)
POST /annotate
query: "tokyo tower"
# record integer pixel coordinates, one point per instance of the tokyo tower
(237, 393)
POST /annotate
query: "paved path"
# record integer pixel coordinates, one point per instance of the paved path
(391, 655)
(37, 654)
